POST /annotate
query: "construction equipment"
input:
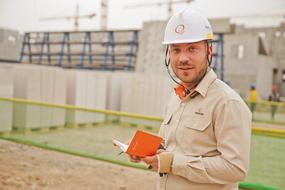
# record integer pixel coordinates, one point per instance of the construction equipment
(76, 17)
(169, 4)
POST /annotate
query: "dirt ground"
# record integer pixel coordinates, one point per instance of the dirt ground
(25, 167)
(29, 168)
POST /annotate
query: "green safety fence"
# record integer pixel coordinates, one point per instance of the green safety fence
(253, 186)
(268, 111)
(89, 133)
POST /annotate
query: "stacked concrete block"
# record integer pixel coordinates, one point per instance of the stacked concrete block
(59, 96)
(40, 84)
(86, 89)
(116, 87)
(145, 94)
(127, 92)
(53, 91)
(126, 83)
(76, 95)
(6, 91)
(101, 95)
(46, 95)
(27, 85)
(96, 96)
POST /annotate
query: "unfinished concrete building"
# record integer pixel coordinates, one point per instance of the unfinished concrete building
(271, 46)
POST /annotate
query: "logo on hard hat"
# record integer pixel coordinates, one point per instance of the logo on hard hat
(179, 29)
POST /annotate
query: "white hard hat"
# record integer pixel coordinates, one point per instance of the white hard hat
(187, 26)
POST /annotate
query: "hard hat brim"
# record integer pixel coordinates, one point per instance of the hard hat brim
(184, 41)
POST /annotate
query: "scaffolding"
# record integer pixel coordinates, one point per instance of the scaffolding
(103, 50)
(218, 55)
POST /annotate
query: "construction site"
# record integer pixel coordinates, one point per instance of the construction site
(66, 94)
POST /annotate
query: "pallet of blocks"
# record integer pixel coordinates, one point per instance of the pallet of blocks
(144, 94)
(6, 91)
(27, 85)
(39, 84)
(86, 89)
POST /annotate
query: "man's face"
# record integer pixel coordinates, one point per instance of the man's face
(189, 61)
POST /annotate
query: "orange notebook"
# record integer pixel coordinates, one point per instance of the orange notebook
(142, 144)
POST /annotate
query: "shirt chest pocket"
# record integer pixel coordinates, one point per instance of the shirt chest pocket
(195, 134)
(197, 123)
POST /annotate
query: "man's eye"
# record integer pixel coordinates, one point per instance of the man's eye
(192, 49)
(176, 50)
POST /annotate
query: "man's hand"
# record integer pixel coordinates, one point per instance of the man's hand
(151, 160)
(135, 159)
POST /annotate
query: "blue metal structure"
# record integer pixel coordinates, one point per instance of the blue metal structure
(218, 55)
(91, 52)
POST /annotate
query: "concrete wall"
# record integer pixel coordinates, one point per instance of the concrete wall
(275, 41)
(245, 65)
(240, 61)
(151, 51)
(278, 52)
(264, 77)
(240, 53)
(10, 44)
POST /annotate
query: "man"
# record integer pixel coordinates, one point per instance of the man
(274, 97)
(252, 97)
(207, 127)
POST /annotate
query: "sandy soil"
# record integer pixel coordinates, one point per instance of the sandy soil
(24, 167)
(29, 168)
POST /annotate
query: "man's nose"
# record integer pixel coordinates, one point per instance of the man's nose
(183, 58)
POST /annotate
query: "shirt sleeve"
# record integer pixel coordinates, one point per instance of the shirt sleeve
(232, 125)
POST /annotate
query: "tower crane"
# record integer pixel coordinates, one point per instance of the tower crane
(76, 17)
(260, 15)
(169, 4)
(104, 14)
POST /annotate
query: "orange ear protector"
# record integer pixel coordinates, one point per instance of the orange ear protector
(181, 91)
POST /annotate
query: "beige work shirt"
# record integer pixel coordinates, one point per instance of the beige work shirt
(208, 137)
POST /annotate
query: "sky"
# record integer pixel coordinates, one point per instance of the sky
(24, 15)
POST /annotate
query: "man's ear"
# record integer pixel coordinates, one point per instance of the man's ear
(210, 50)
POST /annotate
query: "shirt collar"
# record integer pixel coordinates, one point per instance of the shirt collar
(201, 88)
(205, 83)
